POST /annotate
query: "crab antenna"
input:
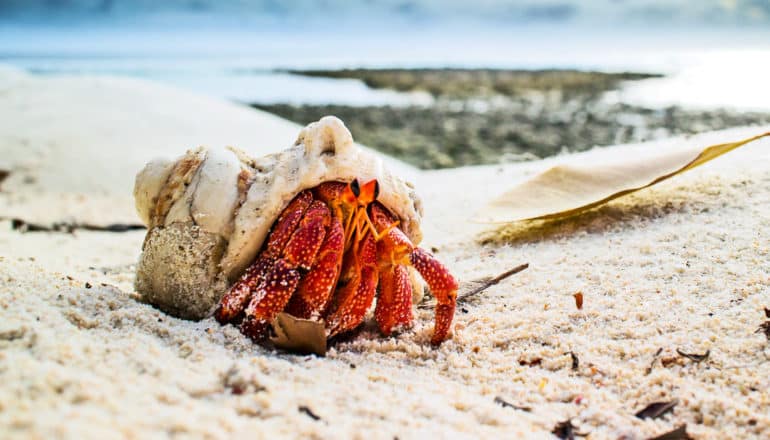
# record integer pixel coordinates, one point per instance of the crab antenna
(351, 192)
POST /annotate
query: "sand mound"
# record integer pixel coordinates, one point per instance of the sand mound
(684, 265)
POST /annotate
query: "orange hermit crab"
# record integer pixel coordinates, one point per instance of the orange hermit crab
(320, 231)
(327, 255)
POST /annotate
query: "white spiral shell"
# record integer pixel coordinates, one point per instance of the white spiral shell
(208, 212)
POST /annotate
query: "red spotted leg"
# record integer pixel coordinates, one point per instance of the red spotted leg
(394, 302)
(233, 302)
(352, 301)
(315, 288)
(281, 281)
(397, 249)
(444, 288)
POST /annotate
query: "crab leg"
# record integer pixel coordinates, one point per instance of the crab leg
(281, 281)
(444, 288)
(394, 302)
(354, 299)
(315, 289)
(235, 299)
(397, 249)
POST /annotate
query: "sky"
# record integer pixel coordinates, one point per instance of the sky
(330, 13)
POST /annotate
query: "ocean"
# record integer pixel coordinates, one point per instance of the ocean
(704, 68)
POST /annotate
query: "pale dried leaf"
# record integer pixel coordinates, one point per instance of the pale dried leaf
(567, 190)
(299, 335)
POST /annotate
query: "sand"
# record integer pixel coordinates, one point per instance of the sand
(683, 265)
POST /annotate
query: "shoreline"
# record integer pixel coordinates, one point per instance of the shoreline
(493, 116)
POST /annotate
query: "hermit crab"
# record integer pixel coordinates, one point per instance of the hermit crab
(321, 231)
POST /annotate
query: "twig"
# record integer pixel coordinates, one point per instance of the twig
(505, 404)
(654, 359)
(485, 284)
(21, 225)
(308, 412)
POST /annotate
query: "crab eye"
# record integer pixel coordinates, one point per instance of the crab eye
(376, 189)
(355, 187)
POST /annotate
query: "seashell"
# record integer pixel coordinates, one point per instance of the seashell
(209, 212)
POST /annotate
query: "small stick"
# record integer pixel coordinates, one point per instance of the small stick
(485, 284)
(654, 359)
(505, 404)
(21, 225)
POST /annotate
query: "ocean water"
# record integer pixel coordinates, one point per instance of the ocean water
(703, 68)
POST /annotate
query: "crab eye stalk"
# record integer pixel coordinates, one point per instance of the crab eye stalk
(376, 190)
(355, 187)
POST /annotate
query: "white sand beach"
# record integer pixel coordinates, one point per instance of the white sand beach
(684, 266)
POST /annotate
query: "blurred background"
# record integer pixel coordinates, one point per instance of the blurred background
(438, 83)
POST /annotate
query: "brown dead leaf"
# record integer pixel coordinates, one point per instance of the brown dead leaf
(695, 357)
(299, 335)
(575, 360)
(564, 430)
(578, 300)
(567, 190)
(656, 409)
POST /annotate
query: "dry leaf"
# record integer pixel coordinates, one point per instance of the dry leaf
(564, 430)
(656, 409)
(299, 335)
(575, 360)
(695, 357)
(578, 300)
(567, 190)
